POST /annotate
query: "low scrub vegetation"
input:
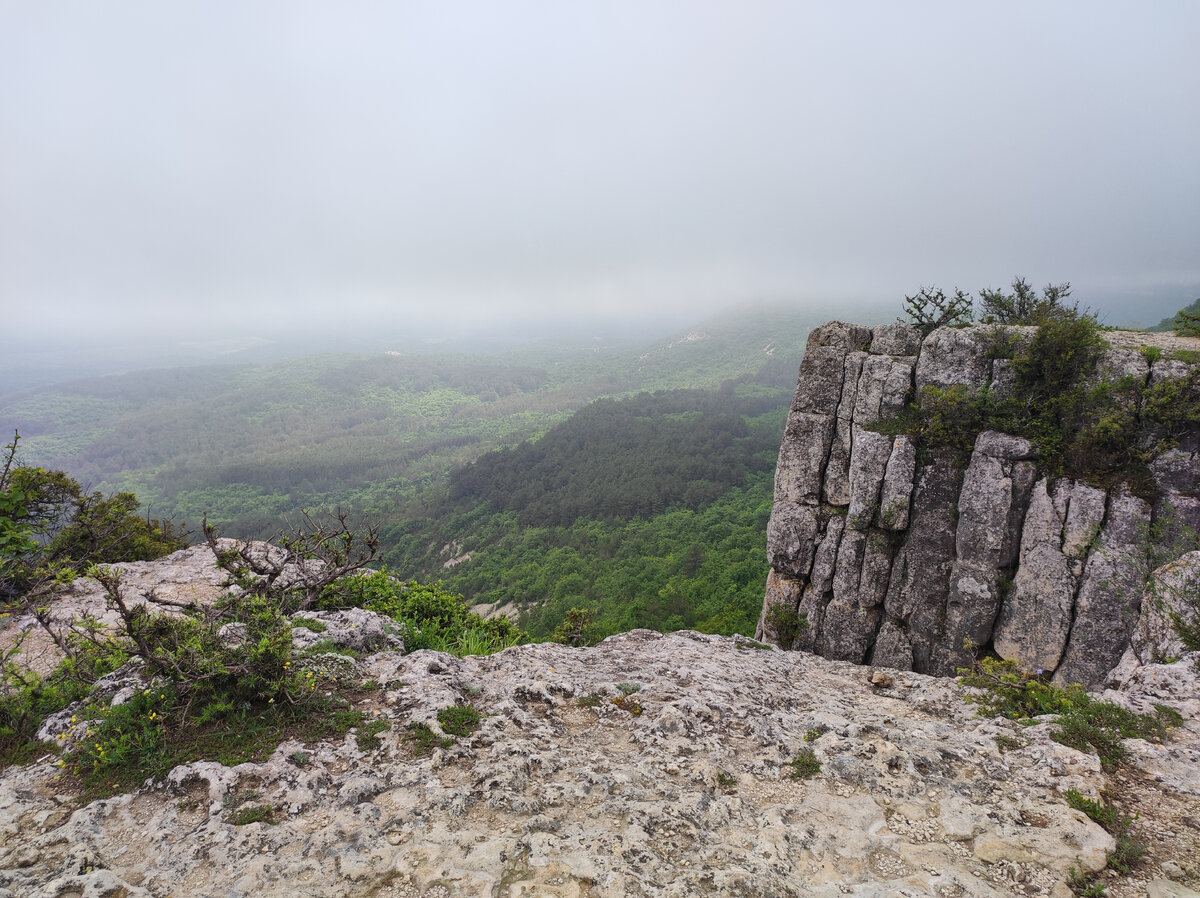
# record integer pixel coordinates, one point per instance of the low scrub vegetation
(1003, 690)
(428, 616)
(221, 681)
(1102, 431)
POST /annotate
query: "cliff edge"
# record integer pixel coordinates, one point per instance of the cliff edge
(901, 554)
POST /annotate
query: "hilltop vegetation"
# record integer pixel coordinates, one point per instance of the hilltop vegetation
(644, 512)
(655, 501)
(252, 444)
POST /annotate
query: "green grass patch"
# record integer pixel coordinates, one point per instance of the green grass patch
(1129, 850)
(146, 737)
(459, 720)
(368, 734)
(329, 647)
(254, 814)
(422, 741)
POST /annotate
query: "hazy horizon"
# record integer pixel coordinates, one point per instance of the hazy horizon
(257, 169)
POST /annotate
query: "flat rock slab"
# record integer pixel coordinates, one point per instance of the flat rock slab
(647, 765)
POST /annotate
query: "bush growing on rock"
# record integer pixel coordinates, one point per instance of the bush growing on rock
(51, 528)
(1098, 430)
(930, 308)
(429, 616)
(1004, 690)
(1023, 305)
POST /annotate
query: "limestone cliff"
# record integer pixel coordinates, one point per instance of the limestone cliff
(922, 566)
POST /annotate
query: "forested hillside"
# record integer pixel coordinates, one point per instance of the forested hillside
(647, 511)
(644, 501)
(252, 444)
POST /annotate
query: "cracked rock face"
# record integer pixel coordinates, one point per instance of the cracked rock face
(563, 791)
(991, 556)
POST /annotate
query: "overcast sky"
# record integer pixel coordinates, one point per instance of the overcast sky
(192, 162)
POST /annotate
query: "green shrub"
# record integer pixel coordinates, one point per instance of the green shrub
(1084, 884)
(1007, 691)
(1127, 853)
(1102, 432)
(930, 308)
(1128, 850)
(27, 699)
(1063, 350)
(1187, 321)
(1097, 727)
(1023, 305)
(576, 628)
(804, 766)
(51, 528)
(459, 720)
(786, 623)
(1104, 814)
(429, 616)
(946, 418)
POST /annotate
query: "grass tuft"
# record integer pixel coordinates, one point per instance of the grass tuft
(804, 766)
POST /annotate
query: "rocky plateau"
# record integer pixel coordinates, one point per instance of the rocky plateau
(650, 764)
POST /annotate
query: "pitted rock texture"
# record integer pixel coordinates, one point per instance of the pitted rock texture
(679, 790)
(923, 566)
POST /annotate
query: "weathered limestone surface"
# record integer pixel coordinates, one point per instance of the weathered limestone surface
(1172, 593)
(550, 797)
(953, 357)
(1036, 618)
(991, 556)
(1110, 594)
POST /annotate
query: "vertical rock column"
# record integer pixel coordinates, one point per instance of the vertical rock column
(881, 483)
(798, 523)
(1110, 594)
(991, 509)
(1035, 619)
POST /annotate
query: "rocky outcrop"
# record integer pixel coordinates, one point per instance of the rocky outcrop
(652, 765)
(564, 792)
(922, 566)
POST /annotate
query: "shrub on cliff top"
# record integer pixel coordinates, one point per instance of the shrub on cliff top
(430, 616)
(1102, 432)
(931, 308)
(1004, 690)
(1023, 305)
(51, 528)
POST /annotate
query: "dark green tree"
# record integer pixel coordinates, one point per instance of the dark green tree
(1024, 306)
(1187, 321)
